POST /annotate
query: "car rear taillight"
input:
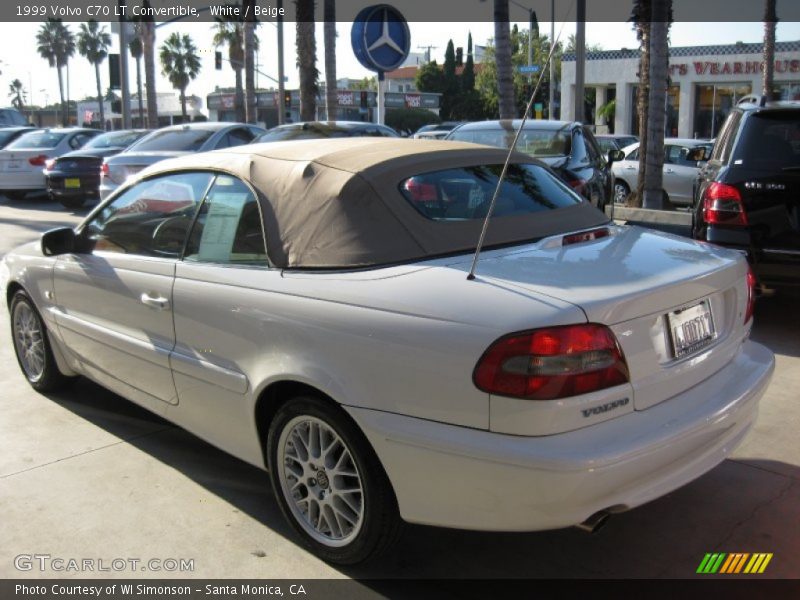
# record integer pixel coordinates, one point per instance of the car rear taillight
(421, 192)
(104, 170)
(49, 164)
(37, 161)
(551, 363)
(751, 295)
(585, 236)
(577, 184)
(722, 205)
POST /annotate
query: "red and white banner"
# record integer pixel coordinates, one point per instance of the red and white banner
(346, 98)
(88, 115)
(413, 100)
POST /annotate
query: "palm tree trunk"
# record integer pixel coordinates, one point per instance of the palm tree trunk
(240, 108)
(306, 59)
(64, 107)
(770, 21)
(656, 113)
(149, 51)
(250, 108)
(643, 104)
(331, 97)
(139, 90)
(183, 106)
(502, 45)
(100, 96)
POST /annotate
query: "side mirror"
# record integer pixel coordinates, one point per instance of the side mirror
(63, 240)
(615, 156)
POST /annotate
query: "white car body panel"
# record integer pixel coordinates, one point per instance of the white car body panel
(396, 348)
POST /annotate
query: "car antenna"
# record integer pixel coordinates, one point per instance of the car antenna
(485, 228)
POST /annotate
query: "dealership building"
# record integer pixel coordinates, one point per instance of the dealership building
(705, 82)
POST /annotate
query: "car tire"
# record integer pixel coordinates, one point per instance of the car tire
(32, 347)
(77, 202)
(621, 192)
(15, 194)
(329, 483)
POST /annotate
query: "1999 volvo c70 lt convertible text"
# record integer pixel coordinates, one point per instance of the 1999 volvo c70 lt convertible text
(305, 306)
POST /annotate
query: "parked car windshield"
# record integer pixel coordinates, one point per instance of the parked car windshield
(536, 142)
(38, 139)
(175, 140)
(116, 139)
(465, 193)
(770, 139)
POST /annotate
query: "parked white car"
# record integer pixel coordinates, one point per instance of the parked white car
(305, 306)
(680, 170)
(23, 160)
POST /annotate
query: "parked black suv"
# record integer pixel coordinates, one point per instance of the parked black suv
(747, 196)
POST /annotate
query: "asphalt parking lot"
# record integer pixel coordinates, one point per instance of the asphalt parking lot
(88, 475)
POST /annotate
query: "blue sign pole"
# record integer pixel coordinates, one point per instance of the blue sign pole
(381, 42)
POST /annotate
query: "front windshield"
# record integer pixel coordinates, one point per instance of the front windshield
(38, 139)
(536, 142)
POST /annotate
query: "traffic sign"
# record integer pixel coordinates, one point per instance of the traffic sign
(528, 69)
(380, 38)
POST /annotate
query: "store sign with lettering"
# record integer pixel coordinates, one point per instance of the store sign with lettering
(749, 67)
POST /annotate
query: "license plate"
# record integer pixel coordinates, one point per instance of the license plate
(72, 183)
(14, 164)
(691, 329)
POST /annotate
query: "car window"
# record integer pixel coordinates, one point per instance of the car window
(229, 228)
(634, 155)
(722, 148)
(592, 149)
(78, 140)
(174, 140)
(236, 137)
(38, 139)
(465, 193)
(152, 218)
(770, 140)
(579, 154)
(116, 139)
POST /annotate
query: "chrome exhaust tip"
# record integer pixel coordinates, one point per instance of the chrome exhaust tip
(594, 523)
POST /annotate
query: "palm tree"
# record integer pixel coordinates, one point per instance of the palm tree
(147, 33)
(770, 21)
(331, 99)
(250, 108)
(55, 44)
(135, 46)
(656, 115)
(231, 32)
(641, 19)
(502, 48)
(93, 43)
(307, 59)
(17, 94)
(180, 64)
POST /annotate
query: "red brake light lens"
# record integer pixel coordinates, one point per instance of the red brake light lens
(585, 236)
(722, 205)
(421, 192)
(551, 363)
(38, 161)
(104, 170)
(751, 295)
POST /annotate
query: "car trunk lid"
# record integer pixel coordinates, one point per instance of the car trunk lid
(643, 284)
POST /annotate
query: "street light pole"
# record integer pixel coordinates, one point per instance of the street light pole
(281, 86)
(123, 69)
(580, 60)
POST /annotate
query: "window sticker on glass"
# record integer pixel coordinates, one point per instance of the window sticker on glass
(224, 212)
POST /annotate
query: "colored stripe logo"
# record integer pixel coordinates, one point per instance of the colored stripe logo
(734, 563)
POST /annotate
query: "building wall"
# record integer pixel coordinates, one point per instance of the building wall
(689, 67)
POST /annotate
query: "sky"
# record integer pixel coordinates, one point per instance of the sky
(19, 59)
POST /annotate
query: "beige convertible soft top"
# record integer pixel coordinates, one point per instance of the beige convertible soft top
(337, 202)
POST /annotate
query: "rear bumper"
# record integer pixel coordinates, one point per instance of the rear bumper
(106, 188)
(472, 479)
(89, 184)
(774, 264)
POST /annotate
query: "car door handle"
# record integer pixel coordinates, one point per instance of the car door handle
(631, 168)
(158, 302)
(668, 171)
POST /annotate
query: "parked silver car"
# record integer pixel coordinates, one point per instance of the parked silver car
(169, 142)
(679, 170)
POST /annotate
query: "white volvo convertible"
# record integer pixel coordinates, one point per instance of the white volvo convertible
(305, 306)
